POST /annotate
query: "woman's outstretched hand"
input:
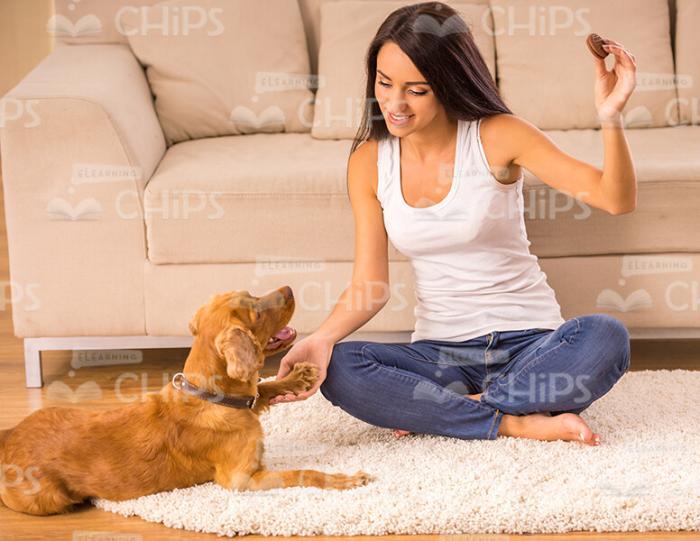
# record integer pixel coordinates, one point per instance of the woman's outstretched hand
(311, 349)
(613, 88)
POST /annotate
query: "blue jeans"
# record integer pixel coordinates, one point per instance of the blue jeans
(420, 386)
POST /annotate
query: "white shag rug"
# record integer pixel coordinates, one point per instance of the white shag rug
(644, 476)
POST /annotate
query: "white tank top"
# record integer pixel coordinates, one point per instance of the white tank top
(470, 256)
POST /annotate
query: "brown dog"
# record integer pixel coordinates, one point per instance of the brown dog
(201, 428)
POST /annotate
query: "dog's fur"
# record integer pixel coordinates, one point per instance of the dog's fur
(58, 457)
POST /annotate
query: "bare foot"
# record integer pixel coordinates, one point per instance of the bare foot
(541, 426)
(401, 433)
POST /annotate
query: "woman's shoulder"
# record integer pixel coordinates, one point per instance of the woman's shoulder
(362, 165)
(500, 121)
(504, 135)
(365, 153)
(516, 127)
(368, 143)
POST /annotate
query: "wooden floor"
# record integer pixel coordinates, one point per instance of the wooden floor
(120, 383)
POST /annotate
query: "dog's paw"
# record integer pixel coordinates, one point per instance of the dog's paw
(340, 481)
(363, 478)
(305, 375)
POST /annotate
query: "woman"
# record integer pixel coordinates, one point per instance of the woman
(490, 354)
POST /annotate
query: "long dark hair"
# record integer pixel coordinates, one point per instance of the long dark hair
(445, 53)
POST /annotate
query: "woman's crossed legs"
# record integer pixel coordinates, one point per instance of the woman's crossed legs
(521, 377)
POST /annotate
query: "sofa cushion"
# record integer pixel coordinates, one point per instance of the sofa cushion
(100, 21)
(347, 28)
(688, 60)
(214, 72)
(547, 74)
(240, 198)
(274, 196)
(311, 13)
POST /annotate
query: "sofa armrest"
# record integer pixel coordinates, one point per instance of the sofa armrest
(108, 76)
(79, 139)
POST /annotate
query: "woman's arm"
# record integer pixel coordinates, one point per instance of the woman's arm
(613, 89)
(614, 188)
(619, 180)
(368, 291)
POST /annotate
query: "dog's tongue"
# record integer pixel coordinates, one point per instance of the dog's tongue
(284, 333)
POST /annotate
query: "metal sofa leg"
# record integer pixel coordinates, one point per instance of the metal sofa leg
(34, 346)
(32, 363)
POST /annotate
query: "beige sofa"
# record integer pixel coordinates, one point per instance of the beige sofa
(102, 255)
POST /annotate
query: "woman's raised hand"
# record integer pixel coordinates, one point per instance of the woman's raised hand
(613, 88)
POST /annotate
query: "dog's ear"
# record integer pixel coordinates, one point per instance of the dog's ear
(237, 346)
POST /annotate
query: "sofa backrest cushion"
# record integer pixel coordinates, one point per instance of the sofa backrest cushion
(688, 60)
(311, 12)
(547, 75)
(105, 16)
(347, 29)
(100, 21)
(228, 67)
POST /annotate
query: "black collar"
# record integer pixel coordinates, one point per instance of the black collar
(180, 382)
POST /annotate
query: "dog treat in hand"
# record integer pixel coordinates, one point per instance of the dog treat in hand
(595, 45)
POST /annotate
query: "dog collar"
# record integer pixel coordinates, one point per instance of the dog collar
(180, 383)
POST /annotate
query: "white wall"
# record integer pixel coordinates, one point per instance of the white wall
(24, 40)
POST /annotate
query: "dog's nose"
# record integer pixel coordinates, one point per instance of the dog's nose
(287, 292)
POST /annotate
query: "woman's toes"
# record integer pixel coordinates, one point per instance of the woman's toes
(582, 431)
(590, 439)
(401, 433)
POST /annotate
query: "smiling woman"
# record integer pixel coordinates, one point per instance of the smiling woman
(436, 167)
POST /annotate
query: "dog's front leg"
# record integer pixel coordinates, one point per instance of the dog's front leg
(300, 379)
(232, 479)
(247, 479)
(240, 465)
(263, 479)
